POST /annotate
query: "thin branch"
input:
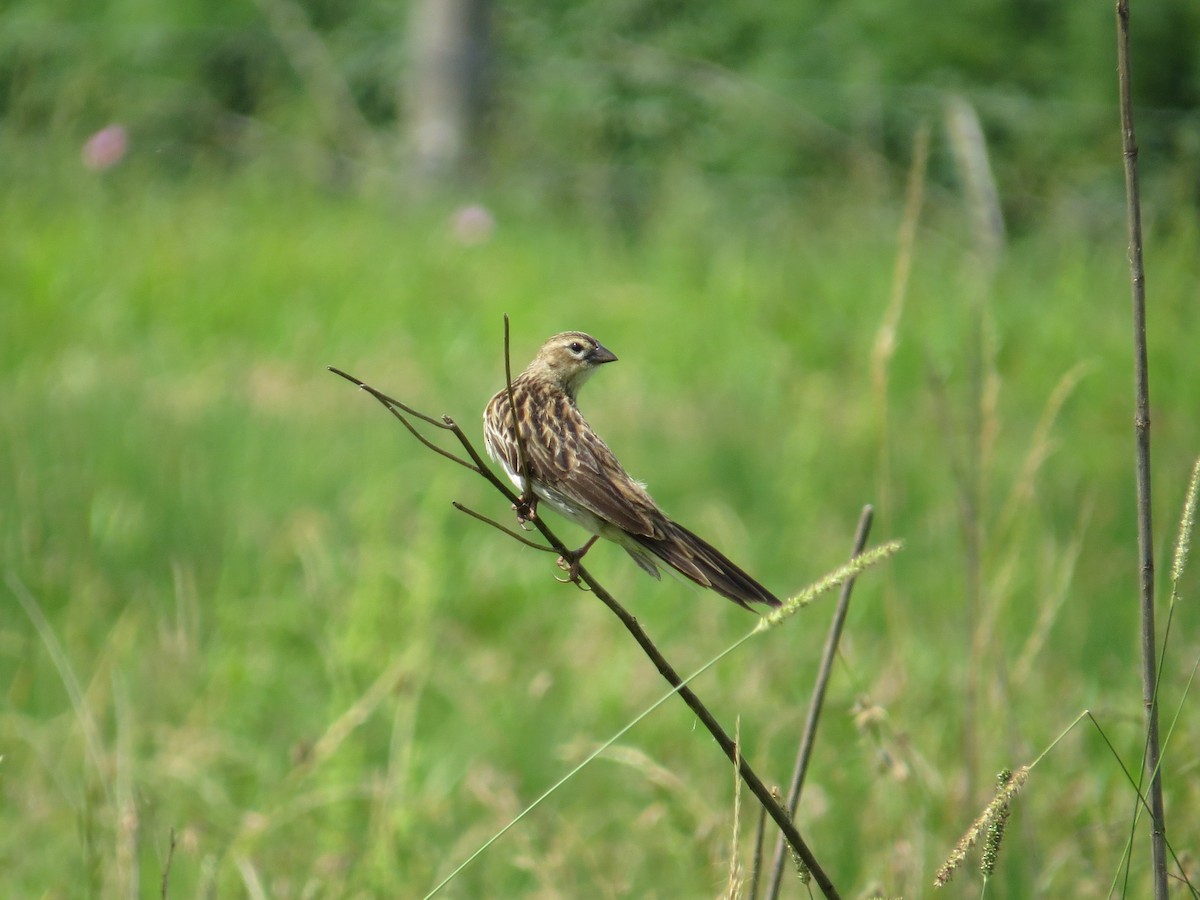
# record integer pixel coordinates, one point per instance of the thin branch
(512, 534)
(809, 735)
(395, 407)
(390, 401)
(480, 466)
(1145, 537)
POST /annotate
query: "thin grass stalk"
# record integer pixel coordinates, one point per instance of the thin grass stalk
(969, 146)
(128, 821)
(600, 749)
(732, 890)
(887, 337)
(809, 735)
(1142, 457)
(756, 867)
(93, 746)
(165, 884)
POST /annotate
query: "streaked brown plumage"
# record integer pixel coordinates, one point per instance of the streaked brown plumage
(573, 470)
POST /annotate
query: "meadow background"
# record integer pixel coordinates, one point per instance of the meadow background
(237, 604)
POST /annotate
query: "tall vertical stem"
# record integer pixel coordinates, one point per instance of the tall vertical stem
(1141, 423)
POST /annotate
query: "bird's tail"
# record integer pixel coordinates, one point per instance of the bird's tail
(696, 559)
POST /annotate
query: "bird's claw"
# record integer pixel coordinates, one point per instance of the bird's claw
(571, 567)
(526, 509)
(569, 563)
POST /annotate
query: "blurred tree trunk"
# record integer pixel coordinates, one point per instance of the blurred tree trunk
(449, 85)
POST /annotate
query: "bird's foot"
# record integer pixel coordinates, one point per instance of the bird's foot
(526, 508)
(569, 563)
(571, 567)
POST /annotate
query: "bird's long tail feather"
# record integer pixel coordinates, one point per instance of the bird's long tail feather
(695, 558)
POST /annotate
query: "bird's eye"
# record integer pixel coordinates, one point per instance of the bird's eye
(575, 347)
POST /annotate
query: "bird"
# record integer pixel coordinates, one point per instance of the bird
(562, 461)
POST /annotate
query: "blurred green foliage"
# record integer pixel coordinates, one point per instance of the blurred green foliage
(592, 100)
(291, 650)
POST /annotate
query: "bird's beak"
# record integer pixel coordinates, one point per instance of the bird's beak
(602, 355)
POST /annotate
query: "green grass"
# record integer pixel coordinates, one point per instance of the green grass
(293, 652)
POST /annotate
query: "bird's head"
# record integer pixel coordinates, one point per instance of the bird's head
(569, 359)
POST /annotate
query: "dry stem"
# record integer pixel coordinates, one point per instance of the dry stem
(1141, 424)
(809, 735)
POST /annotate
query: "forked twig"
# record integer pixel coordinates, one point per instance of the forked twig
(398, 409)
(390, 401)
(512, 534)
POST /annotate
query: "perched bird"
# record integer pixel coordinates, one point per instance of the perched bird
(573, 470)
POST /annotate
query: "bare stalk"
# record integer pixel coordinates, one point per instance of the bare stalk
(969, 144)
(1141, 425)
(809, 735)
(760, 831)
(166, 875)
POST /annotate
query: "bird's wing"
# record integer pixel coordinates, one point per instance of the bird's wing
(500, 439)
(568, 456)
